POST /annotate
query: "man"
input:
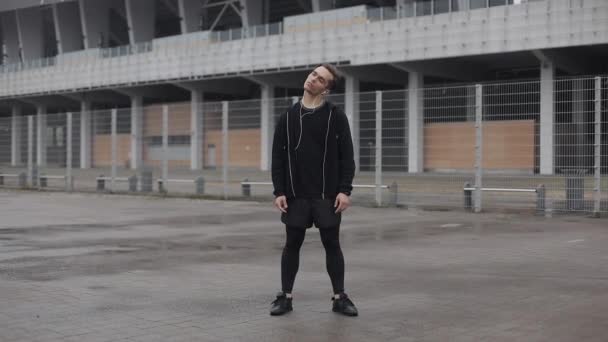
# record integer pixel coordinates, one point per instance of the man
(312, 173)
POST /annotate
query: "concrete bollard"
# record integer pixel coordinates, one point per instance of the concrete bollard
(161, 187)
(246, 188)
(101, 183)
(43, 181)
(468, 196)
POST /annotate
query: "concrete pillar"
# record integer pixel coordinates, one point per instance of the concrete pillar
(196, 133)
(415, 122)
(10, 33)
(189, 12)
(140, 18)
(321, 5)
(547, 74)
(68, 29)
(267, 126)
(95, 21)
(16, 136)
(251, 13)
(85, 135)
(29, 25)
(351, 108)
(136, 132)
(41, 135)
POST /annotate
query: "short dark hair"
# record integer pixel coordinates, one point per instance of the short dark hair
(334, 72)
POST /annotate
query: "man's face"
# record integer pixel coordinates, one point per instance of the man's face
(318, 81)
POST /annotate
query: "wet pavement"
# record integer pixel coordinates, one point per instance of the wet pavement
(86, 267)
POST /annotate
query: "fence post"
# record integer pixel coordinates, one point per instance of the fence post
(540, 198)
(199, 182)
(395, 194)
(225, 147)
(378, 171)
(32, 179)
(478, 146)
(597, 164)
(114, 151)
(68, 165)
(165, 160)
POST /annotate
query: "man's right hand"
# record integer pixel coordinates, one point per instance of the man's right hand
(281, 203)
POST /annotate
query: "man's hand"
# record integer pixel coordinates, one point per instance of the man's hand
(342, 202)
(281, 203)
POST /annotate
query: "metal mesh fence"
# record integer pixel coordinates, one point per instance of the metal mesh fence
(513, 145)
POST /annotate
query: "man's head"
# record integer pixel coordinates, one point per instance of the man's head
(321, 80)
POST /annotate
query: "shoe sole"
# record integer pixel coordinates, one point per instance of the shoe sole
(281, 314)
(345, 314)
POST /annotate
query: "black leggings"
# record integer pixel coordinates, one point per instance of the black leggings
(334, 259)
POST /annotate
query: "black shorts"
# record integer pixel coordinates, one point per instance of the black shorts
(303, 212)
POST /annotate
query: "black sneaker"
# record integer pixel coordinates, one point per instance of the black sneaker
(281, 305)
(344, 306)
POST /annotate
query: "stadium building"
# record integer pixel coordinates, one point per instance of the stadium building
(221, 71)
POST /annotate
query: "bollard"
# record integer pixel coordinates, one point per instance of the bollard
(161, 187)
(540, 198)
(246, 188)
(23, 180)
(199, 182)
(394, 193)
(101, 183)
(468, 196)
(43, 181)
(132, 183)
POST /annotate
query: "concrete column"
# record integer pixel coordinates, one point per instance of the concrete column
(321, 5)
(267, 126)
(189, 12)
(94, 16)
(41, 136)
(136, 132)
(29, 25)
(67, 27)
(196, 132)
(547, 74)
(351, 108)
(85, 135)
(140, 18)
(16, 136)
(10, 33)
(415, 122)
(251, 13)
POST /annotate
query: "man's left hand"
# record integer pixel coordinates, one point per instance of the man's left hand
(342, 202)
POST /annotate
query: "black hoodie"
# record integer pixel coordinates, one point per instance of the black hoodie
(338, 167)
